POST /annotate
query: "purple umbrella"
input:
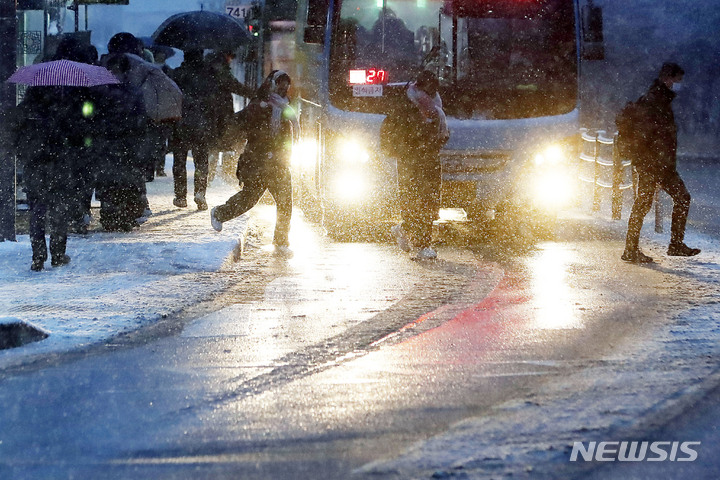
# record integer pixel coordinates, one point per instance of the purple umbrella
(63, 73)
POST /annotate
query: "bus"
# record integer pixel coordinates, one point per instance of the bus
(508, 71)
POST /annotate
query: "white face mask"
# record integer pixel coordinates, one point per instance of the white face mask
(676, 87)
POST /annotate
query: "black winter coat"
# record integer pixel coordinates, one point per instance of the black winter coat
(198, 122)
(265, 150)
(658, 140)
(52, 135)
(406, 134)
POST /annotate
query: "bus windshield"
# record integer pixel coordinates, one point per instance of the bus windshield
(494, 58)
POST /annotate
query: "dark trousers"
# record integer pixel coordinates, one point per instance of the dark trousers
(200, 159)
(279, 182)
(157, 136)
(675, 187)
(419, 183)
(55, 212)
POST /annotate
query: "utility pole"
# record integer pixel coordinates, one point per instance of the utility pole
(8, 58)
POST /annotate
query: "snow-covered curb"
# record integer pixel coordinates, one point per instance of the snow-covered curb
(118, 282)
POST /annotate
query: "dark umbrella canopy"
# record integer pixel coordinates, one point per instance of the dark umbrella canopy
(199, 30)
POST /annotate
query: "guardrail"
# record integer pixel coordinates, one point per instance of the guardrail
(607, 170)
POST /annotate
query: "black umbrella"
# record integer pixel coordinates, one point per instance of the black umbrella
(199, 30)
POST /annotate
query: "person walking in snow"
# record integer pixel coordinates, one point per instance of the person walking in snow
(122, 121)
(195, 131)
(50, 135)
(419, 130)
(271, 126)
(656, 164)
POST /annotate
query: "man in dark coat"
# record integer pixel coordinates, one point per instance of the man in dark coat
(196, 129)
(52, 130)
(656, 164)
(418, 133)
(271, 126)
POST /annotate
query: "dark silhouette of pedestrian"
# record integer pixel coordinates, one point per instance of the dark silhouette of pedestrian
(84, 167)
(271, 126)
(51, 130)
(418, 130)
(655, 160)
(121, 121)
(147, 144)
(196, 129)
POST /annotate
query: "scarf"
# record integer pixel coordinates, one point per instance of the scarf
(430, 108)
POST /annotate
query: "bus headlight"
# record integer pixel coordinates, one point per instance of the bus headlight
(352, 151)
(552, 155)
(552, 182)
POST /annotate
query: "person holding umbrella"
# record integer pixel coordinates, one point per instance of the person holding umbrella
(271, 126)
(51, 125)
(193, 32)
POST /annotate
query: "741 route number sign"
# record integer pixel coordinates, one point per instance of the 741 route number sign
(238, 11)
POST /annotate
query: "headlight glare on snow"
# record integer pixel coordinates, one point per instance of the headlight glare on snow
(304, 153)
(350, 187)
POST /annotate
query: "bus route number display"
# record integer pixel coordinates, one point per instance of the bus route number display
(368, 82)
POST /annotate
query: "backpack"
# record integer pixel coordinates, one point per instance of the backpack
(630, 121)
(391, 135)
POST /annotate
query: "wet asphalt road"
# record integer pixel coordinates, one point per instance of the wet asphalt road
(315, 365)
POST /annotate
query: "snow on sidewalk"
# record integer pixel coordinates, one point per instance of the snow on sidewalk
(118, 282)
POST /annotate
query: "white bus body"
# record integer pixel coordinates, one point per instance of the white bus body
(509, 82)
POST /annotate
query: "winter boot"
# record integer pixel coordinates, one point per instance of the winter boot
(682, 250)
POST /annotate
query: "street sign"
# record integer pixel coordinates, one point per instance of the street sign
(241, 12)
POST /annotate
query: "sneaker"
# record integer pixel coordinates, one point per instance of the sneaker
(200, 201)
(37, 265)
(60, 261)
(400, 237)
(682, 250)
(283, 251)
(426, 253)
(635, 256)
(180, 202)
(216, 224)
